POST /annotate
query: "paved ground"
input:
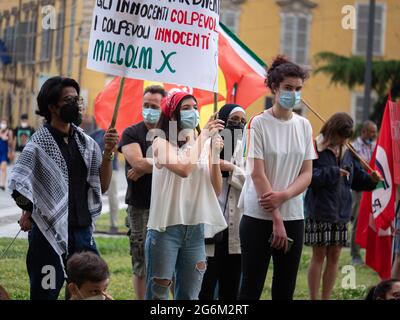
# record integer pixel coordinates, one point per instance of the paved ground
(10, 213)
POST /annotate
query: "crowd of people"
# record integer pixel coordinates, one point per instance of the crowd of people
(12, 142)
(207, 208)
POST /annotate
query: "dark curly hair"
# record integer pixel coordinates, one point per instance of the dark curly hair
(50, 93)
(280, 69)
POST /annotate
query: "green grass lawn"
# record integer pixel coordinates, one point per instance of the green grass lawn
(103, 222)
(115, 250)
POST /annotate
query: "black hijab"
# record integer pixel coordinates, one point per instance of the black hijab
(227, 151)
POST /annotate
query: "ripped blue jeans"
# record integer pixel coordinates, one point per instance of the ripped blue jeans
(175, 257)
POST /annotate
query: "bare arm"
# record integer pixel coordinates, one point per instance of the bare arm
(110, 142)
(105, 171)
(166, 155)
(263, 186)
(274, 199)
(133, 154)
(214, 163)
(261, 181)
(302, 181)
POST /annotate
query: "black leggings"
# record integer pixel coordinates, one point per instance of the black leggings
(224, 269)
(256, 255)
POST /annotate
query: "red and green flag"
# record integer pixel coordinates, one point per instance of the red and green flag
(377, 208)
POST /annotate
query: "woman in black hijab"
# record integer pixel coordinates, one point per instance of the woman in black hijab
(223, 251)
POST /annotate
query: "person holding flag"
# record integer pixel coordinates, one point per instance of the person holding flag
(336, 172)
(375, 227)
(364, 145)
(57, 182)
(184, 207)
(223, 251)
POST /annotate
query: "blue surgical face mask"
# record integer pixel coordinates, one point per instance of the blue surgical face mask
(289, 99)
(189, 119)
(151, 115)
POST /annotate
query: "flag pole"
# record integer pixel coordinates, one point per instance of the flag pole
(215, 102)
(11, 243)
(118, 102)
(365, 163)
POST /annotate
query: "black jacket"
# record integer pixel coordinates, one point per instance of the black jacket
(328, 198)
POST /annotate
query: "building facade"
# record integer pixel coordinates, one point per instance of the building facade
(302, 28)
(44, 38)
(50, 37)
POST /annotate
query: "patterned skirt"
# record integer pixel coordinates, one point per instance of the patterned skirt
(326, 234)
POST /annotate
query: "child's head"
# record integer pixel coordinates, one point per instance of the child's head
(385, 290)
(88, 276)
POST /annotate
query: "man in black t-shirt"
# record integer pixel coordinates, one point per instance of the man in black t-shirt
(138, 168)
(22, 134)
(57, 182)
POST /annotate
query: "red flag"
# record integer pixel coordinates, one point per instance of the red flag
(377, 208)
(244, 72)
(241, 81)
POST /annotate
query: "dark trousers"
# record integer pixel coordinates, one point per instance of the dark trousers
(223, 269)
(44, 266)
(256, 255)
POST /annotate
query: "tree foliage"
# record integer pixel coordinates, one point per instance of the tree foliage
(349, 71)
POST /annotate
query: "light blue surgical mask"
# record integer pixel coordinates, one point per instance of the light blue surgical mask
(151, 115)
(289, 99)
(189, 119)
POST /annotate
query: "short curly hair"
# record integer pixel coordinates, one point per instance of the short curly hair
(50, 93)
(281, 68)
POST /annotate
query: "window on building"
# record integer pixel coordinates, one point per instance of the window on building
(9, 40)
(1, 104)
(361, 32)
(60, 34)
(358, 107)
(46, 47)
(21, 42)
(28, 103)
(230, 18)
(30, 42)
(295, 37)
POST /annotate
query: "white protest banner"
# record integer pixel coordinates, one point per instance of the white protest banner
(174, 41)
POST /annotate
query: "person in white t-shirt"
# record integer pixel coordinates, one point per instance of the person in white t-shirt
(184, 207)
(279, 147)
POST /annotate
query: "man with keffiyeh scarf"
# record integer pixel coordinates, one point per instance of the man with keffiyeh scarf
(57, 182)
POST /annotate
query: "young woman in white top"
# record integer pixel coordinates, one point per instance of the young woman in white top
(280, 151)
(184, 206)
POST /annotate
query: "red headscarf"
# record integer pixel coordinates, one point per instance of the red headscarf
(170, 103)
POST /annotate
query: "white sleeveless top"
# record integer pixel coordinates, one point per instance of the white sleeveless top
(187, 201)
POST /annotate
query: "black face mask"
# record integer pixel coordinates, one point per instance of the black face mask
(232, 125)
(69, 113)
(78, 121)
(236, 129)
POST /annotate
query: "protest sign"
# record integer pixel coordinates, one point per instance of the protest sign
(174, 41)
